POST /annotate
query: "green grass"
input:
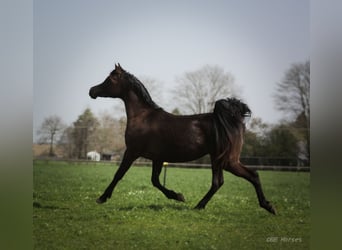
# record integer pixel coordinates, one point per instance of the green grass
(138, 216)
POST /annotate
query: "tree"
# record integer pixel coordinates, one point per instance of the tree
(281, 142)
(254, 138)
(293, 98)
(83, 131)
(252, 146)
(67, 142)
(50, 130)
(293, 92)
(198, 90)
(104, 134)
(270, 145)
(110, 133)
(257, 126)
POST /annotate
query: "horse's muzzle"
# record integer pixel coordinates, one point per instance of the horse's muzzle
(92, 93)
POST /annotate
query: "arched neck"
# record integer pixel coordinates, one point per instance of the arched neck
(134, 105)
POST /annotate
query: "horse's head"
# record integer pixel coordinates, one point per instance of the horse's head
(238, 108)
(233, 108)
(244, 109)
(113, 85)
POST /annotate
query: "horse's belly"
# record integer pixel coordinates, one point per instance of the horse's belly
(172, 153)
(184, 157)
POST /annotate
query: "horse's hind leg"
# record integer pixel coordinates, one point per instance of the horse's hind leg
(217, 182)
(253, 177)
(156, 169)
(124, 166)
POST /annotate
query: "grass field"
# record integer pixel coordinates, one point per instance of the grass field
(138, 216)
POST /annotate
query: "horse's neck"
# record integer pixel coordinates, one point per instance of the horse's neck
(134, 106)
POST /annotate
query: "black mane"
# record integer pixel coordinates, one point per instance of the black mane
(139, 88)
(229, 114)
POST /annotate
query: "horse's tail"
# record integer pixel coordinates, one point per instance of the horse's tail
(229, 129)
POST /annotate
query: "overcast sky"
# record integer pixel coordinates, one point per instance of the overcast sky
(77, 43)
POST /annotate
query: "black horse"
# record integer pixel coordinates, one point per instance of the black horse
(157, 135)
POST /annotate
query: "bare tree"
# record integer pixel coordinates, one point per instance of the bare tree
(293, 92)
(293, 98)
(50, 130)
(198, 90)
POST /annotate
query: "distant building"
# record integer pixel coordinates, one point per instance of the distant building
(93, 156)
(107, 156)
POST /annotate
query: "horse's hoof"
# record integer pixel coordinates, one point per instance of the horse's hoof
(180, 197)
(101, 200)
(269, 208)
(272, 210)
(199, 207)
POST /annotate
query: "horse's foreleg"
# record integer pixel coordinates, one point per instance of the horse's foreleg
(252, 176)
(217, 182)
(156, 169)
(124, 166)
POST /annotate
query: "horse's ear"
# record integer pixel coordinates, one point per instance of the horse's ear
(119, 69)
